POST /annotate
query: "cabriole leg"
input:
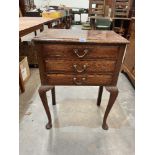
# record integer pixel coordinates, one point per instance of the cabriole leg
(113, 95)
(42, 93)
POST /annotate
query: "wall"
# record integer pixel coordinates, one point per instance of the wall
(69, 3)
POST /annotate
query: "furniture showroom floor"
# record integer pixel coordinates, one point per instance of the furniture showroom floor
(76, 121)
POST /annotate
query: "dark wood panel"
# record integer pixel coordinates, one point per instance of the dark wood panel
(70, 79)
(129, 59)
(79, 51)
(93, 66)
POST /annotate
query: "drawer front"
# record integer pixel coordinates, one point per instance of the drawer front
(70, 79)
(79, 51)
(92, 66)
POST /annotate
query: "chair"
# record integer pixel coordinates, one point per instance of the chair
(103, 24)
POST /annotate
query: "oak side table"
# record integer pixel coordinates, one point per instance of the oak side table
(79, 58)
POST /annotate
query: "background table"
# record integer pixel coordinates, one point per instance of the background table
(31, 24)
(26, 26)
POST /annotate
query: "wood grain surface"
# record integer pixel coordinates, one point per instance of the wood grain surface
(68, 51)
(82, 66)
(82, 36)
(84, 79)
(30, 24)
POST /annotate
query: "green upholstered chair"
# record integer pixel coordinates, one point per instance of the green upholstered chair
(103, 24)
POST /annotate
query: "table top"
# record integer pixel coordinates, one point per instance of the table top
(85, 36)
(30, 24)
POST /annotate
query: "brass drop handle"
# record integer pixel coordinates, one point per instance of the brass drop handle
(77, 82)
(76, 51)
(80, 70)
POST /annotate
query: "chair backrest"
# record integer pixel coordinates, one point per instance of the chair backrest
(103, 22)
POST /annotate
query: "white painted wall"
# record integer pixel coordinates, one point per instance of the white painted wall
(68, 3)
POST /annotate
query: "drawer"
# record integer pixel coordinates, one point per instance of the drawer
(70, 79)
(80, 66)
(79, 51)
